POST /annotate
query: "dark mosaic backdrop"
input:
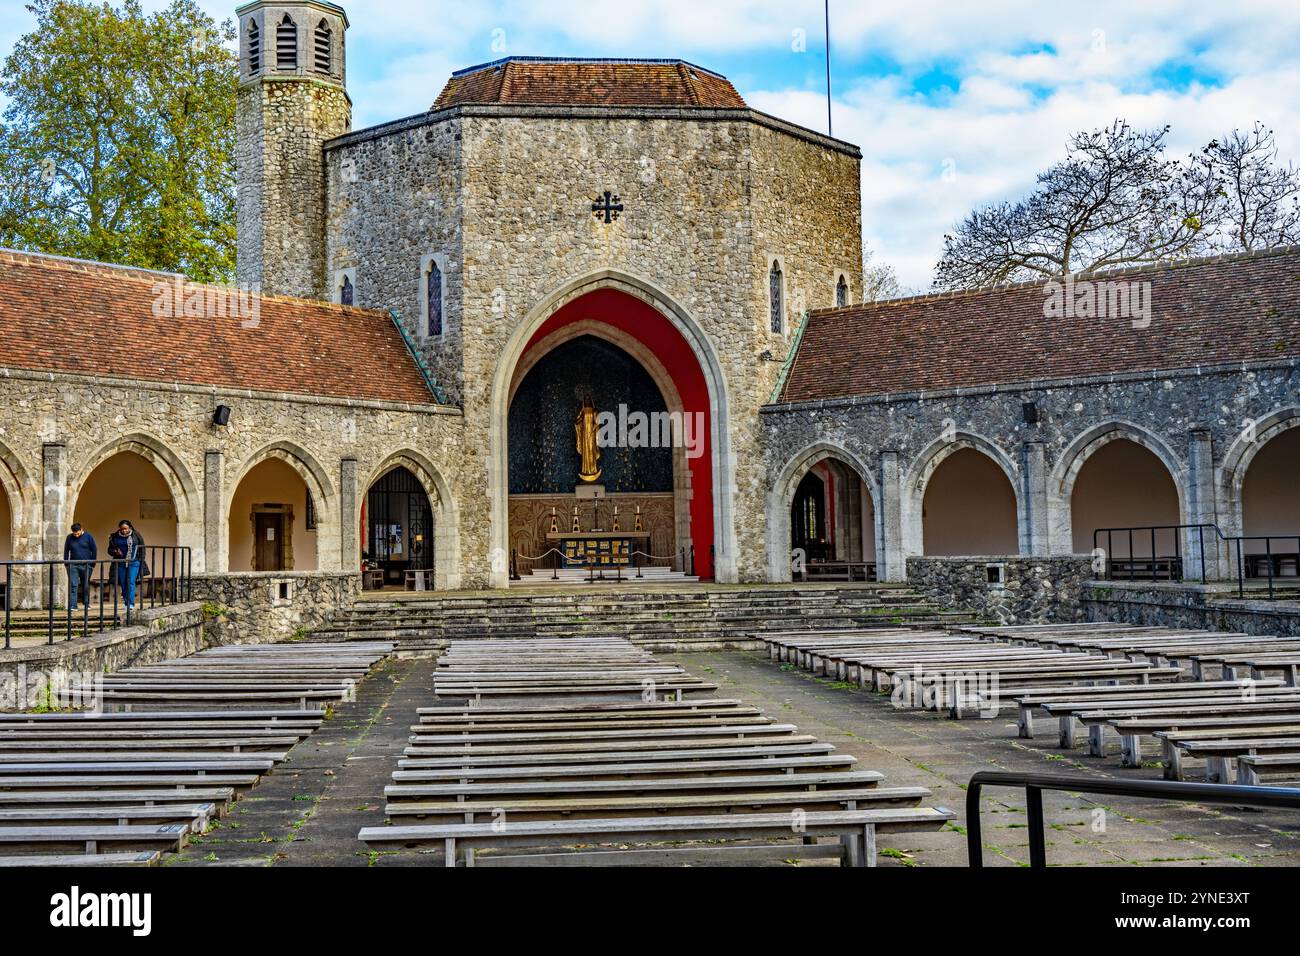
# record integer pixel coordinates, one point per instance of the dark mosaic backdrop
(543, 459)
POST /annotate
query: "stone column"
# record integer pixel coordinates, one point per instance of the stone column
(349, 515)
(1201, 510)
(216, 529)
(54, 514)
(891, 561)
(1034, 506)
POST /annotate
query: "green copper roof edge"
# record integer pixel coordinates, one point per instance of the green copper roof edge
(789, 361)
(432, 382)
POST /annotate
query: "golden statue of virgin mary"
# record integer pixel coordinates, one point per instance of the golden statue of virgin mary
(585, 427)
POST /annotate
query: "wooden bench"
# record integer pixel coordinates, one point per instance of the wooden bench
(1219, 752)
(754, 801)
(89, 838)
(137, 858)
(791, 765)
(1132, 730)
(715, 784)
(1250, 767)
(1028, 700)
(197, 815)
(857, 830)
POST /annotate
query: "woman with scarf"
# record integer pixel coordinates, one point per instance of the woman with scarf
(127, 546)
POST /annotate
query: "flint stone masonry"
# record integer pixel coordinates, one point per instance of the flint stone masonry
(251, 608)
(1214, 607)
(1192, 419)
(1027, 590)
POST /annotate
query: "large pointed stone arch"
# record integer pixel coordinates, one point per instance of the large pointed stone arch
(446, 530)
(724, 534)
(22, 495)
(658, 373)
(917, 480)
(1237, 461)
(328, 532)
(180, 483)
(1060, 485)
(782, 494)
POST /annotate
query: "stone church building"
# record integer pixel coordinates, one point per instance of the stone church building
(439, 295)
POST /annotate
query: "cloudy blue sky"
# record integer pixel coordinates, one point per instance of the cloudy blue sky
(954, 103)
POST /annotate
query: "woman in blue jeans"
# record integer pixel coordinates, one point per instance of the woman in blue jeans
(127, 547)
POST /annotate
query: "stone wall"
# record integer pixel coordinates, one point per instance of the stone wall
(252, 608)
(1191, 419)
(28, 674)
(505, 194)
(283, 117)
(1009, 590)
(1213, 607)
(55, 430)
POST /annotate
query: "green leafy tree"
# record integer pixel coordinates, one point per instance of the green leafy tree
(117, 142)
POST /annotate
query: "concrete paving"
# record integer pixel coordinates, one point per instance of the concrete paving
(308, 810)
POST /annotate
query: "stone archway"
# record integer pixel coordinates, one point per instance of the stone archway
(1240, 456)
(712, 481)
(17, 492)
(176, 477)
(446, 516)
(316, 515)
(783, 492)
(917, 484)
(1061, 485)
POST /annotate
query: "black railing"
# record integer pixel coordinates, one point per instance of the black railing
(1284, 798)
(164, 577)
(1265, 563)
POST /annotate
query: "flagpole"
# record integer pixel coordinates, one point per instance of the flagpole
(830, 129)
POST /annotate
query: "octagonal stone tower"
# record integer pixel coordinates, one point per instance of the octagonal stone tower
(292, 98)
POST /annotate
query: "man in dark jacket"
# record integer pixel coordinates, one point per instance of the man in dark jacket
(80, 550)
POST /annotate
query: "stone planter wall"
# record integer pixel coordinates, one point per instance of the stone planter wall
(1027, 590)
(254, 607)
(1212, 607)
(163, 633)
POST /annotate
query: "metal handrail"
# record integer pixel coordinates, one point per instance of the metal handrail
(170, 577)
(1285, 798)
(1177, 565)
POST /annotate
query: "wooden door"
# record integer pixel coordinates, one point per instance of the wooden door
(269, 549)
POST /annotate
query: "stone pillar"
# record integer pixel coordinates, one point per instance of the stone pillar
(349, 515)
(54, 513)
(891, 561)
(1201, 510)
(1034, 505)
(216, 527)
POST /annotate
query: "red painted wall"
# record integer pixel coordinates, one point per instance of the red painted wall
(648, 326)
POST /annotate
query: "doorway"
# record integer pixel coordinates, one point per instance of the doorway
(269, 529)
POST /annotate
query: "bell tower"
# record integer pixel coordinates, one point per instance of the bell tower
(292, 98)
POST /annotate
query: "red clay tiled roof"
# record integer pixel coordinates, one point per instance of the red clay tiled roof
(1203, 312)
(577, 82)
(86, 318)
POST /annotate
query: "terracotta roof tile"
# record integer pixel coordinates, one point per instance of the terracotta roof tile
(1203, 312)
(578, 82)
(86, 318)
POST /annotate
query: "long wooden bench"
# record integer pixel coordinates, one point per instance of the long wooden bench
(119, 859)
(810, 781)
(546, 808)
(786, 764)
(89, 838)
(197, 815)
(857, 829)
